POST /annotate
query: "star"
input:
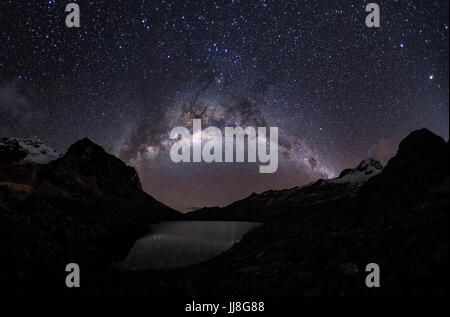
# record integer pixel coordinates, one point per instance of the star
(335, 89)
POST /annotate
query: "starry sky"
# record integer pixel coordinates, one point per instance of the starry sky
(337, 90)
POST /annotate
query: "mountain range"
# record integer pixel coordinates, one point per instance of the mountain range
(87, 206)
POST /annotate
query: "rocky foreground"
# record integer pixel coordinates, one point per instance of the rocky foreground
(86, 207)
(316, 240)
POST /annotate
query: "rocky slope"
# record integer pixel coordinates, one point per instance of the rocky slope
(270, 204)
(316, 240)
(86, 181)
(26, 151)
(19, 162)
(86, 206)
(91, 183)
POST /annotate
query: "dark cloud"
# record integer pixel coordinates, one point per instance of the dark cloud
(13, 103)
(15, 110)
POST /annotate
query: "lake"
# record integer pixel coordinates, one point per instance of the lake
(180, 243)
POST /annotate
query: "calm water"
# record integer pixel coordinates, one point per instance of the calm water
(181, 243)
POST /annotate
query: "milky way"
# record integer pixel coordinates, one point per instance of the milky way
(338, 90)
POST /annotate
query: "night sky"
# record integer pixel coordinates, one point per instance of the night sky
(338, 90)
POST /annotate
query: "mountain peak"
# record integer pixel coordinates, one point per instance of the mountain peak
(368, 164)
(30, 150)
(90, 159)
(419, 140)
(85, 147)
(420, 165)
(88, 181)
(368, 168)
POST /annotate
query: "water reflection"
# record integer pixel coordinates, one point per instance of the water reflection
(177, 244)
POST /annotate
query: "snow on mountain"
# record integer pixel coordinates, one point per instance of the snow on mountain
(26, 151)
(367, 169)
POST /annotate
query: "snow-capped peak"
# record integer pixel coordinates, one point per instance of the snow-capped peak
(26, 151)
(359, 175)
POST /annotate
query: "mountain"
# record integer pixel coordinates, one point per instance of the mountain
(317, 239)
(19, 162)
(88, 182)
(26, 151)
(270, 204)
(420, 168)
(367, 169)
(85, 206)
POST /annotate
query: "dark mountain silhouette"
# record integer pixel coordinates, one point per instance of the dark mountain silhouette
(86, 207)
(420, 168)
(279, 203)
(86, 181)
(91, 183)
(315, 240)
